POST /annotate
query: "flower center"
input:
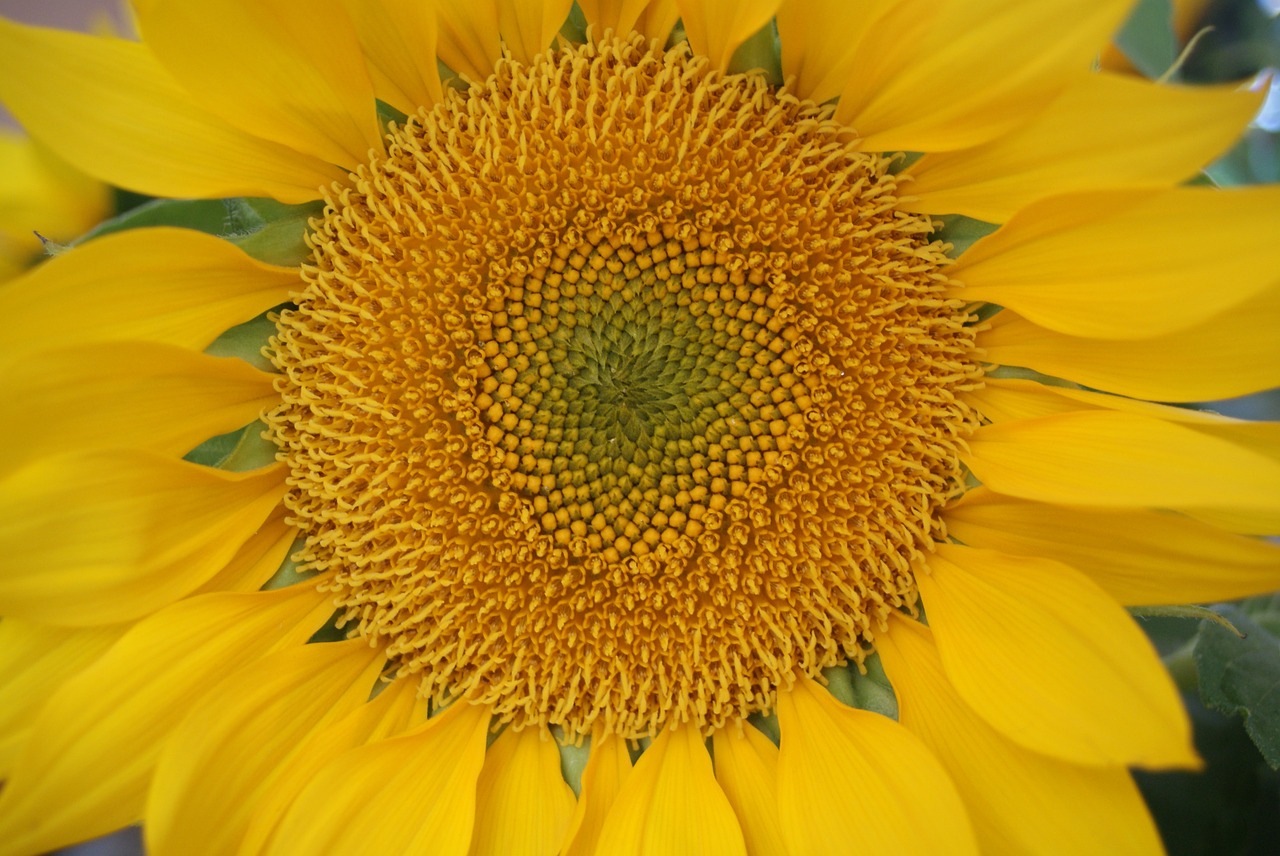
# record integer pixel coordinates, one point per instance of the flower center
(620, 394)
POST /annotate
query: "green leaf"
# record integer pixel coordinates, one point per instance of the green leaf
(1242, 676)
(1147, 38)
(961, 232)
(1222, 809)
(1265, 610)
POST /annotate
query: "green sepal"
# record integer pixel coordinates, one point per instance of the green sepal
(247, 341)
(388, 115)
(768, 725)
(840, 684)
(265, 229)
(574, 28)
(254, 451)
(873, 691)
(961, 232)
(763, 51)
(288, 574)
(1186, 610)
(1241, 676)
(330, 631)
(870, 691)
(203, 215)
(278, 236)
(216, 450)
(573, 760)
(237, 451)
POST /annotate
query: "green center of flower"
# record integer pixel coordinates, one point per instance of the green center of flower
(630, 402)
(620, 394)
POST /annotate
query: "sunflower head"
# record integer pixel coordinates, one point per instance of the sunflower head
(621, 393)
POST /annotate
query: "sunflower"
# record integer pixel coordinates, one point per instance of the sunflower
(595, 429)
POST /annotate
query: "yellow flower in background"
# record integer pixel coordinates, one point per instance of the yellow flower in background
(38, 192)
(619, 401)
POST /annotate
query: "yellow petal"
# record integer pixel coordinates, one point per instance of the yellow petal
(823, 42)
(1020, 801)
(84, 770)
(43, 193)
(291, 76)
(1012, 399)
(529, 26)
(715, 28)
(415, 793)
(619, 16)
(1127, 264)
(1233, 353)
(394, 709)
(109, 109)
(1104, 131)
(36, 659)
(747, 770)
(135, 395)
(1001, 62)
(117, 535)
(1053, 663)
(399, 42)
(1005, 399)
(658, 20)
(670, 803)
(607, 768)
(523, 805)
(1122, 460)
(469, 40)
(1241, 521)
(1138, 557)
(849, 777)
(258, 559)
(625, 16)
(173, 286)
(220, 760)
(13, 260)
